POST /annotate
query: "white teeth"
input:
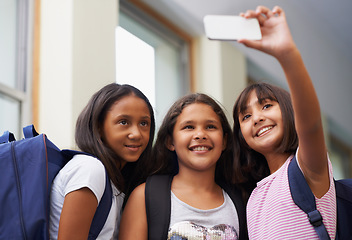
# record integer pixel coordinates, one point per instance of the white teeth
(264, 130)
(202, 148)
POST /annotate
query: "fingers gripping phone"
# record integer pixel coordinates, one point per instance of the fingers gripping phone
(226, 27)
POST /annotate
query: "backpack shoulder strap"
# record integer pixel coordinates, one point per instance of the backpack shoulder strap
(236, 197)
(344, 189)
(104, 206)
(158, 205)
(344, 208)
(304, 198)
(29, 131)
(7, 137)
(102, 212)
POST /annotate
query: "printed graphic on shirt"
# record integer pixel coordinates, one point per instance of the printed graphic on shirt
(191, 231)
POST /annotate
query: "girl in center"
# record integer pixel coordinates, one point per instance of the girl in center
(194, 145)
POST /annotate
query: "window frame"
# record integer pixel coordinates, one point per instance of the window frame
(157, 23)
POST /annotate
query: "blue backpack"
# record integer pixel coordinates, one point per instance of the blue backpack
(305, 200)
(27, 169)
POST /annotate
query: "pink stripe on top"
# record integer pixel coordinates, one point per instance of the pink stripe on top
(272, 214)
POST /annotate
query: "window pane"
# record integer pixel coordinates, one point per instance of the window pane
(136, 70)
(9, 120)
(164, 57)
(8, 26)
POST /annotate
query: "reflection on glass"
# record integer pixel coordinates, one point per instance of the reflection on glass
(10, 115)
(8, 41)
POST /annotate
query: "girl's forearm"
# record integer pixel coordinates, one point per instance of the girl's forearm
(312, 153)
(304, 98)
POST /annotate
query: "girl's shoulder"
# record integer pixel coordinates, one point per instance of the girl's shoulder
(139, 191)
(82, 170)
(84, 162)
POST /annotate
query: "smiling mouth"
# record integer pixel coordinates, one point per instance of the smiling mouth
(134, 147)
(263, 130)
(200, 148)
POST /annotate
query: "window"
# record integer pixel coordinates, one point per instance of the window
(340, 151)
(135, 69)
(152, 58)
(14, 22)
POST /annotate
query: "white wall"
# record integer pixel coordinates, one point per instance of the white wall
(220, 71)
(77, 57)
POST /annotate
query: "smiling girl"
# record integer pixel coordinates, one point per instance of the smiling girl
(195, 147)
(268, 123)
(117, 127)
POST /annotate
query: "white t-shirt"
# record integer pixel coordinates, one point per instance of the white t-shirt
(188, 222)
(84, 171)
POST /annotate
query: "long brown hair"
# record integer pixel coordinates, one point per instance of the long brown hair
(249, 165)
(166, 160)
(89, 139)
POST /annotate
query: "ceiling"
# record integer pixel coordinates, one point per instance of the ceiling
(322, 31)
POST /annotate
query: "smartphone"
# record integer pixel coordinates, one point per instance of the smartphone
(227, 27)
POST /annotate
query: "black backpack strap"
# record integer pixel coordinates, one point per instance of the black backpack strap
(236, 196)
(344, 208)
(158, 205)
(304, 198)
(103, 210)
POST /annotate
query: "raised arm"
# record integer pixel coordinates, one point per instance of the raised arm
(134, 219)
(277, 41)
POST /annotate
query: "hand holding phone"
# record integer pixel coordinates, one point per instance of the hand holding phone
(226, 27)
